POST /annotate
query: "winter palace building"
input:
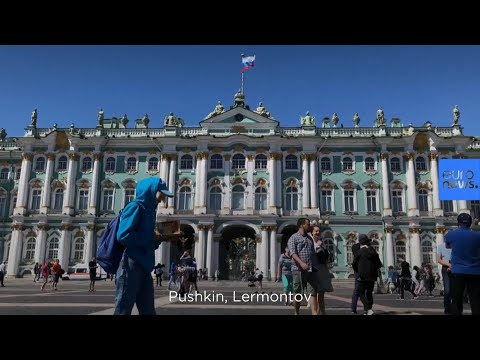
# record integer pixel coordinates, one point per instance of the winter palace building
(241, 181)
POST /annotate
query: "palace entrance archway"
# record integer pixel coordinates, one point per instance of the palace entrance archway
(237, 252)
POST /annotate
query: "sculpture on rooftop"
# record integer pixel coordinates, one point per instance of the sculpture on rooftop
(3, 134)
(124, 120)
(261, 110)
(239, 99)
(145, 120)
(335, 119)
(217, 111)
(34, 119)
(356, 120)
(307, 120)
(456, 115)
(101, 118)
(380, 118)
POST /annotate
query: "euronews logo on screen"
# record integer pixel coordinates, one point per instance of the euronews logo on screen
(459, 179)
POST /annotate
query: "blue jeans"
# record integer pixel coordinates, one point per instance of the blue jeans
(134, 286)
(447, 294)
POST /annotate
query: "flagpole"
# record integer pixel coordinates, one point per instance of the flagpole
(243, 86)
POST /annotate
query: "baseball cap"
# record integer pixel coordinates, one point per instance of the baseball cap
(162, 187)
(363, 239)
(464, 219)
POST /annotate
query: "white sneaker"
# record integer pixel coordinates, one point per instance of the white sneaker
(370, 312)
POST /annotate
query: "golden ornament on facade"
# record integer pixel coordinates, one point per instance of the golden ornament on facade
(389, 229)
(43, 227)
(66, 227)
(238, 129)
(250, 157)
(97, 156)
(61, 141)
(260, 150)
(73, 156)
(409, 156)
(51, 156)
(27, 156)
(91, 227)
(217, 150)
(79, 234)
(384, 156)
(18, 227)
(227, 157)
(414, 230)
(186, 150)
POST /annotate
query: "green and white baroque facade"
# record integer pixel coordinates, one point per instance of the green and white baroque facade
(238, 178)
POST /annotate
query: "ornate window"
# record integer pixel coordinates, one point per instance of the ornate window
(260, 162)
(83, 199)
(40, 164)
(347, 164)
(349, 196)
(292, 198)
(79, 250)
(53, 245)
(3, 202)
(428, 254)
(398, 197)
(369, 164)
(35, 199)
(58, 199)
(423, 200)
(30, 249)
(325, 164)
(371, 196)
(129, 196)
(185, 198)
(153, 164)
(327, 196)
(17, 173)
(110, 165)
(291, 162)
(238, 161)
(395, 165)
(87, 164)
(447, 206)
(62, 163)
(238, 198)
(216, 198)
(186, 162)
(260, 198)
(4, 174)
(420, 164)
(216, 162)
(108, 199)
(400, 251)
(131, 164)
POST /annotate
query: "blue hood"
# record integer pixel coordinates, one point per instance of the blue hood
(147, 192)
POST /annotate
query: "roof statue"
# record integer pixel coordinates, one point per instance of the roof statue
(124, 120)
(217, 111)
(239, 99)
(356, 120)
(172, 120)
(335, 119)
(100, 118)
(456, 115)
(3, 134)
(145, 120)
(380, 118)
(34, 119)
(307, 120)
(261, 110)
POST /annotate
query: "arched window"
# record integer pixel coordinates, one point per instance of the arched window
(83, 199)
(292, 198)
(347, 164)
(58, 199)
(186, 162)
(260, 162)
(53, 246)
(397, 200)
(79, 248)
(62, 163)
(325, 164)
(36, 196)
(185, 198)
(260, 198)
(238, 198)
(216, 162)
(428, 255)
(395, 164)
(420, 164)
(400, 251)
(369, 164)
(291, 162)
(30, 249)
(153, 164)
(131, 164)
(129, 196)
(238, 161)
(422, 200)
(87, 164)
(110, 164)
(40, 164)
(447, 206)
(108, 199)
(349, 245)
(216, 198)
(331, 249)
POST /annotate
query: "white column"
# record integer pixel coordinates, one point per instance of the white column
(389, 247)
(274, 255)
(278, 180)
(264, 251)
(387, 210)
(22, 196)
(69, 200)
(198, 179)
(164, 254)
(227, 187)
(437, 207)
(164, 168)
(462, 207)
(171, 180)
(64, 248)
(258, 251)
(200, 247)
(415, 251)
(440, 237)
(313, 181)
(272, 183)
(305, 184)
(251, 186)
(210, 252)
(15, 254)
(94, 189)
(411, 188)
(204, 180)
(90, 250)
(41, 243)
(45, 202)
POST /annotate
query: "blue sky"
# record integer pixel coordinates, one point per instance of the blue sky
(71, 83)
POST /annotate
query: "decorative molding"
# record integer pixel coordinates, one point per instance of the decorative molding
(264, 227)
(409, 156)
(74, 156)
(415, 230)
(260, 150)
(250, 157)
(186, 150)
(43, 227)
(276, 156)
(209, 227)
(238, 148)
(201, 227)
(384, 156)
(97, 156)
(27, 156)
(216, 182)
(238, 129)
(273, 227)
(78, 234)
(66, 227)
(389, 229)
(131, 153)
(292, 150)
(227, 157)
(92, 227)
(51, 156)
(217, 150)
(18, 227)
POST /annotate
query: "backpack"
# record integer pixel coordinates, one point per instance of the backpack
(110, 251)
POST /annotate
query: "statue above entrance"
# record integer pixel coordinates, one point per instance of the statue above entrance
(261, 110)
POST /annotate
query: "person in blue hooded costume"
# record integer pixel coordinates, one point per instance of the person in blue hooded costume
(140, 239)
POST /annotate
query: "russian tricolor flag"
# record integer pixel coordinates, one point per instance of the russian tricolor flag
(248, 62)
